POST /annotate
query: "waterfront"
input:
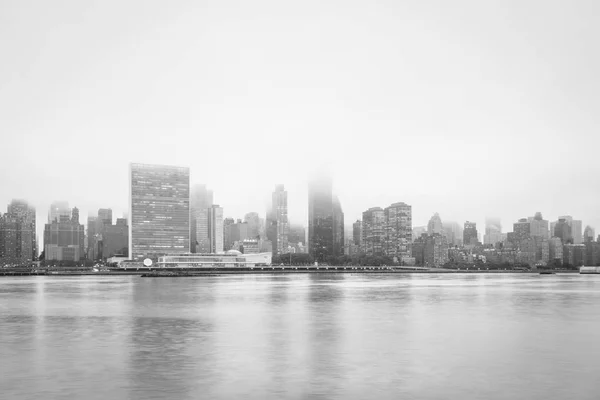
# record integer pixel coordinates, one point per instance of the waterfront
(346, 336)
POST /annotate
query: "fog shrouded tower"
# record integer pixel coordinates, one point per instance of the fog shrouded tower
(200, 202)
(159, 210)
(278, 220)
(324, 219)
(435, 225)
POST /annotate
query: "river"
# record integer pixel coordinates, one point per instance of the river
(301, 336)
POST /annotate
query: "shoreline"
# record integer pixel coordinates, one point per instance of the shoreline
(271, 270)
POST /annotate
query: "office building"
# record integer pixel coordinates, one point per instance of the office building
(521, 232)
(373, 231)
(57, 210)
(539, 227)
(588, 234)
(470, 235)
(215, 229)
(555, 249)
(115, 239)
(320, 218)
(338, 228)
(227, 234)
(356, 232)
(254, 224)
(159, 211)
(493, 232)
(201, 200)
(398, 230)
(436, 251)
(454, 233)
(64, 238)
(279, 220)
(435, 225)
(18, 233)
(562, 230)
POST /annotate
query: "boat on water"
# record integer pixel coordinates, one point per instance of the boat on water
(547, 273)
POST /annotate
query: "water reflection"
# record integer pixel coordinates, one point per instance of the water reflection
(301, 336)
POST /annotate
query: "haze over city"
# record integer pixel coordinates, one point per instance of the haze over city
(465, 109)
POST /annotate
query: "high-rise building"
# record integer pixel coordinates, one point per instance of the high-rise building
(589, 234)
(398, 230)
(576, 228)
(435, 250)
(454, 233)
(373, 231)
(105, 216)
(115, 239)
(539, 226)
(356, 232)
(159, 211)
(522, 232)
(418, 231)
(493, 232)
(58, 209)
(320, 218)
(562, 230)
(215, 228)
(253, 221)
(18, 242)
(201, 201)
(228, 234)
(435, 225)
(555, 249)
(64, 238)
(338, 228)
(470, 236)
(279, 218)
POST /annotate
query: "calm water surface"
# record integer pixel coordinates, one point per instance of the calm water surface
(301, 337)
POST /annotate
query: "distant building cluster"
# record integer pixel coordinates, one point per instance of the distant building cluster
(169, 216)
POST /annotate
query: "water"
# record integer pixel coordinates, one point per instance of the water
(301, 337)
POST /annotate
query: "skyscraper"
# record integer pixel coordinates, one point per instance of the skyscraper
(374, 231)
(588, 234)
(338, 227)
(435, 225)
(105, 216)
(58, 209)
(279, 214)
(539, 226)
(18, 233)
(575, 225)
(320, 218)
(562, 230)
(493, 231)
(215, 229)
(159, 210)
(253, 221)
(398, 230)
(64, 238)
(200, 203)
(470, 235)
(356, 232)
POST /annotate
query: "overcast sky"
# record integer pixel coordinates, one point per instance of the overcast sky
(469, 108)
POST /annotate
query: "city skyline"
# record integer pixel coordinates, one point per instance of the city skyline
(464, 102)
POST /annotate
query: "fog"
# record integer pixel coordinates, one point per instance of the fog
(466, 108)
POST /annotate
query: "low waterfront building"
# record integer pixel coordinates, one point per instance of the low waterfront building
(229, 259)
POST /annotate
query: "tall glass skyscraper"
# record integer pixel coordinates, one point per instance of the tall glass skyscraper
(159, 210)
(201, 202)
(325, 220)
(279, 216)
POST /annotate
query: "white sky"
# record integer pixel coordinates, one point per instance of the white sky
(467, 108)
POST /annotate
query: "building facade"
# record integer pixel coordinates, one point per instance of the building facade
(18, 233)
(215, 229)
(398, 230)
(159, 211)
(64, 238)
(201, 200)
(373, 232)
(435, 225)
(320, 218)
(470, 235)
(279, 213)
